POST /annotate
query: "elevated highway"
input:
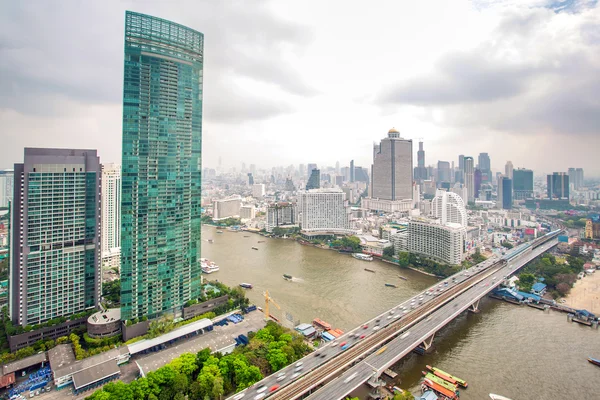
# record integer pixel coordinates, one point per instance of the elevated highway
(436, 306)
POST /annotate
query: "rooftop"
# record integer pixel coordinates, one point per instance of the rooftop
(24, 363)
(63, 361)
(90, 375)
(105, 317)
(142, 345)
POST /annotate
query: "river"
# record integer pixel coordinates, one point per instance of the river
(518, 352)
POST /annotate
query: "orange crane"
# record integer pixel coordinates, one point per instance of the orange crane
(269, 299)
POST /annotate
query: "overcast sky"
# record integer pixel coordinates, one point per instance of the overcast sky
(290, 82)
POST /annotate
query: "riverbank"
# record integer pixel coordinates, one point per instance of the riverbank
(414, 269)
(585, 294)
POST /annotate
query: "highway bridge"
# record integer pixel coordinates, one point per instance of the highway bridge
(391, 335)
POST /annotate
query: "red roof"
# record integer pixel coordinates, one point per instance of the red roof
(6, 380)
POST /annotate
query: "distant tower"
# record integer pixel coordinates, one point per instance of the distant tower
(352, 176)
(508, 170)
(391, 174)
(337, 167)
(314, 181)
(469, 176)
(421, 171)
(485, 167)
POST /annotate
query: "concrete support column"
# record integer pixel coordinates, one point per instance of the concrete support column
(427, 343)
(474, 308)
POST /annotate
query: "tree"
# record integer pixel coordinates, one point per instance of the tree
(181, 383)
(276, 358)
(563, 288)
(388, 251)
(185, 364)
(352, 242)
(404, 259)
(405, 395)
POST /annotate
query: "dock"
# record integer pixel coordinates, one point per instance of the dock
(390, 373)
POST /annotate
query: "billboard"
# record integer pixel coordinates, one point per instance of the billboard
(529, 231)
(563, 239)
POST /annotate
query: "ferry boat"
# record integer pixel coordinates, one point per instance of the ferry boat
(390, 285)
(498, 397)
(446, 376)
(402, 277)
(288, 277)
(428, 383)
(319, 323)
(207, 266)
(254, 248)
(594, 361)
(210, 241)
(363, 257)
(219, 231)
(261, 241)
(369, 270)
(439, 381)
(246, 285)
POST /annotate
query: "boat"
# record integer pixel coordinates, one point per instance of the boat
(261, 241)
(390, 285)
(594, 361)
(439, 389)
(219, 231)
(370, 270)
(439, 381)
(207, 266)
(246, 285)
(286, 276)
(361, 256)
(254, 248)
(319, 323)
(210, 241)
(498, 397)
(447, 376)
(246, 235)
(402, 277)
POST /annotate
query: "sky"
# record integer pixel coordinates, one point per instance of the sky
(294, 82)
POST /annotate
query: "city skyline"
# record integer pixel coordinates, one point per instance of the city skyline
(461, 116)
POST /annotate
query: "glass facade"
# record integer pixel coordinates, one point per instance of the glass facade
(161, 166)
(522, 184)
(57, 220)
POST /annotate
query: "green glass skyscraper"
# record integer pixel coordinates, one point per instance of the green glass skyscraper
(161, 166)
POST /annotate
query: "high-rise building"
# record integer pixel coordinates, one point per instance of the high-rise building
(391, 173)
(508, 170)
(461, 162)
(449, 207)
(279, 214)
(421, 170)
(314, 181)
(477, 178)
(443, 171)
(337, 167)
(576, 177)
(485, 167)
(309, 168)
(324, 210)
(258, 190)
(227, 208)
(161, 166)
(352, 171)
(522, 184)
(250, 179)
(441, 242)
(469, 176)
(507, 193)
(111, 215)
(56, 239)
(361, 174)
(558, 185)
(6, 187)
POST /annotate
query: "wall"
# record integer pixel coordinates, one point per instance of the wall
(135, 330)
(201, 308)
(21, 340)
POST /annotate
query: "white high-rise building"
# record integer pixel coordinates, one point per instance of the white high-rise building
(461, 190)
(227, 208)
(449, 207)
(440, 242)
(470, 178)
(279, 214)
(111, 215)
(6, 186)
(258, 190)
(508, 170)
(247, 211)
(324, 210)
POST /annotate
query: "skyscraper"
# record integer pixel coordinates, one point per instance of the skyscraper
(161, 171)
(421, 170)
(449, 207)
(391, 173)
(459, 176)
(6, 186)
(352, 171)
(469, 176)
(558, 185)
(522, 184)
(55, 235)
(314, 180)
(443, 171)
(507, 193)
(111, 215)
(576, 177)
(477, 178)
(310, 168)
(508, 170)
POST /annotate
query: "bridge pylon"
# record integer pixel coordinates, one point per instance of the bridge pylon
(428, 343)
(474, 308)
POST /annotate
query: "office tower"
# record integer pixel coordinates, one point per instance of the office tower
(508, 170)
(227, 208)
(449, 207)
(522, 184)
(250, 179)
(111, 215)
(324, 210)
(161, 176)
(55, 235)
(462, 191)
(247, 212)
(289, 185)
(507, 193)
(558, 185)
(301, 169)
(576, 177)
(337, 167)
(6, 187)
(352, 171)
(361, 174)
(421, 170)
(243, 168)
(391, 173)
(253, 169)
(314, 180)
(258, 190)
(477, 178)
(469, 176)
(459, 175)
(310, 168)
(441, 242)
(485, 167)
(443, 171)
(499, 191)
(279, 214)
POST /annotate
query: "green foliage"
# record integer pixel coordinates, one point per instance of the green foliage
(388, 251)
(111, 291)
(477, 257)
(93, 342)
(4, 269)
(557, 276)
(412, 260)
(405, 395)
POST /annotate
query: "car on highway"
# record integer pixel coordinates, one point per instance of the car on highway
(362, 336)
(299, 364)
(344, 347)
(295, 375)
(323, 355)
(273, 388)
(260, 396)
(261, 388)
(343, 344)
(317, 354)
(279, 375)
(381, 350)
(376, 327)
(348, 379)
(279, 379)
(405, 335)
(239, 396)
(365, 326)
(391, 312)
(389, 317)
